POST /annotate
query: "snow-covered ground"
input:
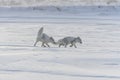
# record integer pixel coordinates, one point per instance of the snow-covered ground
(98, 58)
(57, 2)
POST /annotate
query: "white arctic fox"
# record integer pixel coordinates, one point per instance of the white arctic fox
(69, 40)
(44, 38)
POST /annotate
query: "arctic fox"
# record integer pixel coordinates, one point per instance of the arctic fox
(69, 40)
(44, 38)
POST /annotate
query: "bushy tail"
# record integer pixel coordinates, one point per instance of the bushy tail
(39, 35)
(40, 31)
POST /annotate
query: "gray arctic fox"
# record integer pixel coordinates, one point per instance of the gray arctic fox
(44, 38)
(69, 40)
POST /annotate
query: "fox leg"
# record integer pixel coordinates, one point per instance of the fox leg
(36, 42)
(47, 44)
(43, 45)
(75, 46)
(60, 45)
(72, 44)
(66, 45)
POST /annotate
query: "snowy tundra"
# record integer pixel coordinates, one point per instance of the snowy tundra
(98, 58)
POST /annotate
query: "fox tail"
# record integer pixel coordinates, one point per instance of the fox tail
(40, 31)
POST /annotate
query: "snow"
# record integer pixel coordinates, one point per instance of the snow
(98, 58)
(57, 2)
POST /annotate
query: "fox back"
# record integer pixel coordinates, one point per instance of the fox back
(46, 39)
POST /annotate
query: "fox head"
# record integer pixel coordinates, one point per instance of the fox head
(52, 40)
(78, 39)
